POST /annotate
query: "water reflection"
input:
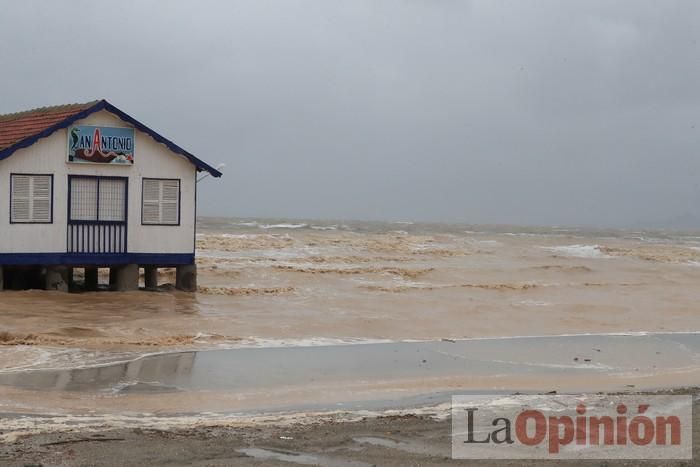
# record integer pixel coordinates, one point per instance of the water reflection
(165, 369)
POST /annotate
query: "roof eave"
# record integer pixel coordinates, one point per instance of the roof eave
(200, 164)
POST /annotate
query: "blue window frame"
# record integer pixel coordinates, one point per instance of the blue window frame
(97, 199)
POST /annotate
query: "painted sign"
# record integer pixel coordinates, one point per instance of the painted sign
(100, 145)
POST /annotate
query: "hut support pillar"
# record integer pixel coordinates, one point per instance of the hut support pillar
(58, 278)
(126, 278)
(71, 280)
(186, 277)
(113, 278)
(91, 279)
(150, 277)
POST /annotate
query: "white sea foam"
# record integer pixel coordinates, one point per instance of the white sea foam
(483, 243)
(34, 358)
(324, 227)
(283, 226)
(525, 234)
(260, 342)
(578, 251)
(55, 358)
(252, 236)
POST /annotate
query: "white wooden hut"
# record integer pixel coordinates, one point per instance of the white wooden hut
(88, 186)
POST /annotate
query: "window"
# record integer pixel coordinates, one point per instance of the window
(31, 198)
(97, 199)
(161, 202)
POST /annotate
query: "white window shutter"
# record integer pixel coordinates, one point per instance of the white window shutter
(31, 198)
(41, 198)
(151, 201)
(21, 198)
(161, 202)
(170, 198)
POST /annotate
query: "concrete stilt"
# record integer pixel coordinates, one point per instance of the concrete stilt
(150, 276)
(113, 278)
(186, 277)
(91, 279)
(71, 279)
(2, 279)
(57, 278)
(127, 278)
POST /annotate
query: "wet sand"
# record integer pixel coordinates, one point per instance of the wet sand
(395, 440)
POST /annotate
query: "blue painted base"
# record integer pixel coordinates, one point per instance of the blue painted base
(99, 259)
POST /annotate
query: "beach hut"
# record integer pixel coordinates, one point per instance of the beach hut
(88, 186)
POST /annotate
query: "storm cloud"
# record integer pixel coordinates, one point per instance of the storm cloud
(514, 112)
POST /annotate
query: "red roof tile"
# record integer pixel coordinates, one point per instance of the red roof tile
(18, 126)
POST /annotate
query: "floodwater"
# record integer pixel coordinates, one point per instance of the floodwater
(343, 310)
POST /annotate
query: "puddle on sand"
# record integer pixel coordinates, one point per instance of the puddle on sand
(254, 369)
(332, 377)
(384, 442)
(300, 458)
(400, 445)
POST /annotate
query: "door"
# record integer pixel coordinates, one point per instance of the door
(97, 214)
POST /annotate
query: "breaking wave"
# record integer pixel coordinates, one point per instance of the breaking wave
(578, 251)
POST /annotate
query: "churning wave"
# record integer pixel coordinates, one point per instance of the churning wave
(578, 251)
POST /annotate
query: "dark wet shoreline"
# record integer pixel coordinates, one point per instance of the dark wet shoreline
(381, 441)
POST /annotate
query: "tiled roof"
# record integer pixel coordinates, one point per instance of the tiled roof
(18, 126)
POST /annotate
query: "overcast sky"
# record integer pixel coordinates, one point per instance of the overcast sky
(514, 112)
